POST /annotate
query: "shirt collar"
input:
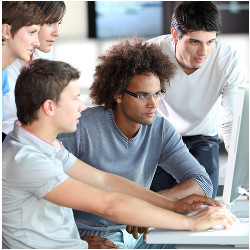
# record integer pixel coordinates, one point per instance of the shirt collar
(26, 137)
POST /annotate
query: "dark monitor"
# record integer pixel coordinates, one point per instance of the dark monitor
(237, 172)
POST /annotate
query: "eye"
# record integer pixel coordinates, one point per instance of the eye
(194, 42)
(48, 24)
(60, 22)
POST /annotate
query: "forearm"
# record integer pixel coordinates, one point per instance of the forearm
(114, 206)
(183, 189)
(122, 185)
(110, 182)
(145, 214)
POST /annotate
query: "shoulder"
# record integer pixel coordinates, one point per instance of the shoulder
(222, 48)
(22, 161)
(164, 39)
(5, 82)
(163, 125)
(166, 44)
(92, 114)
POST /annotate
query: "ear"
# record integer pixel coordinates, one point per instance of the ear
(6, 31)
(118, 98)
(49, 107)
(174, 35)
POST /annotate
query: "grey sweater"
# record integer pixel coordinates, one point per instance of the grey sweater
(100, 143)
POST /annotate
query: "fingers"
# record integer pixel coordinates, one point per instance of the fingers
(135, 230)
(129, 229)
(212, 216)
(96, 242)
(132, 230)
(145, 233)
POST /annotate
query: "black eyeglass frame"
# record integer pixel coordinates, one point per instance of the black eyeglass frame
(143, 97)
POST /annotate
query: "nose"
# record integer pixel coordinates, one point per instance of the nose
(82, 107)
(36, 42)
(203, 49)
(152, 102)
(55, 31)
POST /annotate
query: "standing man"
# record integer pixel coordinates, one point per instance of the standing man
(124, 136)
(207, 70)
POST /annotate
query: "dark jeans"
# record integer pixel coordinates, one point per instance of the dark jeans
(206, 150)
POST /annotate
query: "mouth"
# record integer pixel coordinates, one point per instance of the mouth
(50, 42)
(199, 59)
(77, 119)
(150, 114)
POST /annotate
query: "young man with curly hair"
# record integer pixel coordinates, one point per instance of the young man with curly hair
(200, 97)
(123, 135)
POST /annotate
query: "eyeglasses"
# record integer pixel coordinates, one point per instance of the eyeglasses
(158, 95)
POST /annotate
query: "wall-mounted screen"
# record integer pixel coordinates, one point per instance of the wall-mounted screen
(125, 18)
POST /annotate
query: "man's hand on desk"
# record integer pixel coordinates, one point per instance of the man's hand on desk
(96, 242)
(210, 217)
(135, 230)
(193, 202)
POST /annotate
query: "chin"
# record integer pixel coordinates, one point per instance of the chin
(25, 58)
(45, 50)
(148, 122)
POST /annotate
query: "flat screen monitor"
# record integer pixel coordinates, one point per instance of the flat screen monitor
(119, 19)
(237, 172)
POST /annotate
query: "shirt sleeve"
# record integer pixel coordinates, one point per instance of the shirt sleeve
(234, 76)
(180, 163)
(67, 158)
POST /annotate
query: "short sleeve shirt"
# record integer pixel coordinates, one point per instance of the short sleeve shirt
(32, 168)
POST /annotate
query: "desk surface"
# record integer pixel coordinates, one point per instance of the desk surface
(236, 235)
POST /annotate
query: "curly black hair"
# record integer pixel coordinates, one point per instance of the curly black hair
(121, 63)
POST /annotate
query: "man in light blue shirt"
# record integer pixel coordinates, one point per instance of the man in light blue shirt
(123, 135)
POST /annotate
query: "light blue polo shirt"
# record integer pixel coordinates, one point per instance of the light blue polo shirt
(32, 167)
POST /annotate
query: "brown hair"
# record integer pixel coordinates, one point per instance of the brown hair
(196, 16)
(121, 63)
(41, 80)
(53, 10)
(18, 14)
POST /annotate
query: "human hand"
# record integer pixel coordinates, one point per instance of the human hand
(193, 202)
(96, 242)
(209, 217)
(135, 230)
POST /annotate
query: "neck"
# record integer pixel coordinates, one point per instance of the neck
(7, 58)
(42, 130)
(127, 127)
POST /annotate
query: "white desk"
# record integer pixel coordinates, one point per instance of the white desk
(237, 236)
(234, 237)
